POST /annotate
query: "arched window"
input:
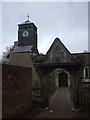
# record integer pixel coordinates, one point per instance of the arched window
(87, 72)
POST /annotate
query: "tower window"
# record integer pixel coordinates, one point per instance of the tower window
(26, 26)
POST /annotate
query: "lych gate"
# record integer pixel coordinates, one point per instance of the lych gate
(69, 71)
(74, 68)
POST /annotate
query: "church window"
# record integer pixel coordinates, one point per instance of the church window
(87, 72)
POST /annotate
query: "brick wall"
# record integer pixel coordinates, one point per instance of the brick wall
(16, 90)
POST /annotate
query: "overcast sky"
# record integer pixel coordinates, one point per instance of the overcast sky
(66, 20)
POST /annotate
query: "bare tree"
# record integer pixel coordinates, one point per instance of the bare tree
(6, 54)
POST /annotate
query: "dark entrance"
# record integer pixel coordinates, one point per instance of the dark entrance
(63, 79)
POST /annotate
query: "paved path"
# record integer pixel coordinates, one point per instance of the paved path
(61, 107)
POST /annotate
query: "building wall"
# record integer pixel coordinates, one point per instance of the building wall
(16, 90)
(85, 82)
(25, 60)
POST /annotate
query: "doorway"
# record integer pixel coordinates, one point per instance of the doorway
(63, 79)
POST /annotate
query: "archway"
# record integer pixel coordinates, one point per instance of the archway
(75, 70)
(63, 79)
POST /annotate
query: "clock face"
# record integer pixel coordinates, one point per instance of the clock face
(25, 33)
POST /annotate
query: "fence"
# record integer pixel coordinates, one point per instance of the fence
(36, 96)
(84, 96)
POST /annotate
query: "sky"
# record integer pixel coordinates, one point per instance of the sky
(65, 20)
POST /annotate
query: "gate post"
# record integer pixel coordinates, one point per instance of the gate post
(75, 90)
(44, 89)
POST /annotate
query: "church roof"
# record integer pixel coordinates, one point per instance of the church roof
(26, 22)
(19, 49)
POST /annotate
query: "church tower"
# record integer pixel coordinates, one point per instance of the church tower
(27, 35)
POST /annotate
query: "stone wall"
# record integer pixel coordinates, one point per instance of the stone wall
(58, 53)
(16, 90)
(25, 60)
(21, 59)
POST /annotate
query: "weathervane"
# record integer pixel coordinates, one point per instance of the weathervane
(28, 17)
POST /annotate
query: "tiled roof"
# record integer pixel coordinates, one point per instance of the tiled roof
(23, 48)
